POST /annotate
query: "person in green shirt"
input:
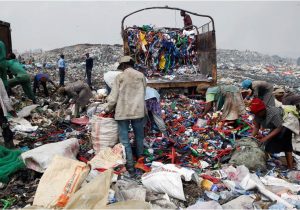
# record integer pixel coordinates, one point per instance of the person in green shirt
(20, 75)
(225, 97)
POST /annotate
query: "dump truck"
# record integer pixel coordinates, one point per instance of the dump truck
(139, 42)
(5, 36)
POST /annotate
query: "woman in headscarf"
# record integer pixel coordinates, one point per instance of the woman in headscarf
(280, 138)
(260, 89)
(227, 97)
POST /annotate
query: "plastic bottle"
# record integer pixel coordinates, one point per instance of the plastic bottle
(208, 185)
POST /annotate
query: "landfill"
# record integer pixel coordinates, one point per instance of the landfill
(62, 162)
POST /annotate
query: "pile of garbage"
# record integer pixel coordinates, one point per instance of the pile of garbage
(202, 163)
(162, 50)
(65, 162)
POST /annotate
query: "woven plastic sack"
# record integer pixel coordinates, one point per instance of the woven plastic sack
(10, 162)
(38, 159)
(93, 195)
(248, 153)
(104, 133)
(60, 181)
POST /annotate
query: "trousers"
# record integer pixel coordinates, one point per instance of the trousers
(138, 129)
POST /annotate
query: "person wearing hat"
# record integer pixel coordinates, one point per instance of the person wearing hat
(88, 68)
(287, 98)
(42, 79)
(79, 92)
(226, 97)
(127, 99)
(62, 70)
(260, 89)
(279, 138)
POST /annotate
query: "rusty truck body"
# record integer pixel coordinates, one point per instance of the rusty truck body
(205, 44)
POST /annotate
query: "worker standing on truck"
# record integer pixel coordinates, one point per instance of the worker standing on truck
(127, 98)
(187, 20)
(42, 79)
(88, 69)
(260, 89)
(226, 97)
(62, 70)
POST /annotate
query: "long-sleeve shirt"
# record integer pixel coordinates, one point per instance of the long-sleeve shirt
(264, 91)
(89, 63)
(61, 63)
(4, 100)
(128, 95)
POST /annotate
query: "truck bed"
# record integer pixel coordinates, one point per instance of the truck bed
(191, 81)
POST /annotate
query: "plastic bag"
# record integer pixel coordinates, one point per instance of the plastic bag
(23, 125)
(167, 179)
(206, 205)
(296, 143)
(25, 112)
(248, 153)
(104, 133)
(294, 176)
(291, 122)
(60, 181)
(92, 195)
(38, 159)
(129, 190)
(297, 160)
(270, 180)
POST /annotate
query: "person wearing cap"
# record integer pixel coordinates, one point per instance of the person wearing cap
(42, 79)
(226, 97)
(62, 70)
(287, 98)
(279, 138)
(79, 92)
(88, 68)
(127, 99)
(187, 20)
(260, 89)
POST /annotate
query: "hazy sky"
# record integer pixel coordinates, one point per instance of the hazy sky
(267, 27)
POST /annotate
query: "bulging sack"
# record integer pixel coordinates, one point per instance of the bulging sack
(248, 153)
(60, 181)
(38, 159)
(104, 133)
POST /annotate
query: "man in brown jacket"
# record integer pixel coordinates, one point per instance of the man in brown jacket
(127, 98)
